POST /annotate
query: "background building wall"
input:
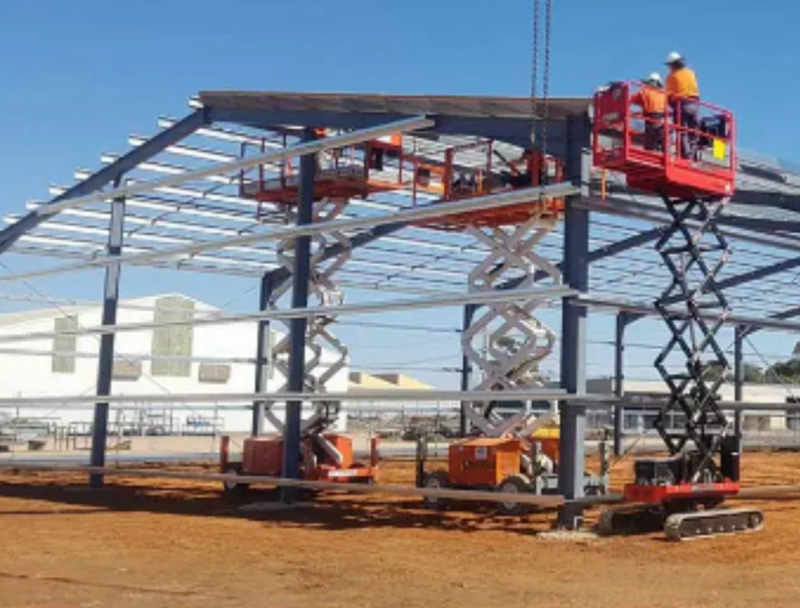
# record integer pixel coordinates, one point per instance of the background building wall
(68, 366)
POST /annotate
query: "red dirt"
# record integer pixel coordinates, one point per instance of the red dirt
(152, 542)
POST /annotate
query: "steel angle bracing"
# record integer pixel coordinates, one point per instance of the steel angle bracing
(433, 301)
(400, 395)
(233, 166)
(408, 216)
(775, 323)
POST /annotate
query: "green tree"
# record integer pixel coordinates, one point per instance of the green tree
(753, 374)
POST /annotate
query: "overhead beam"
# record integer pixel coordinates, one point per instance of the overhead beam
(281, 274)
(431, 301)
(596, 254)
(407, 216)
(515, 131)
(652, 213)
(234, 166)
(106, 175)
(784, 315)
(394, 395)
(646, 310)
(747, 277)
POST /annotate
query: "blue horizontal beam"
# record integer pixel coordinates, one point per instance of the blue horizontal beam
(109, 173)
(595, 254)
(280, 275)
(747, 277)
(789, 313)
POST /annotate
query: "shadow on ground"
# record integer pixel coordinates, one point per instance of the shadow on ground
(324, 511)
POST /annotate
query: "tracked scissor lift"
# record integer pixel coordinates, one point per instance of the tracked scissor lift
(693, 171)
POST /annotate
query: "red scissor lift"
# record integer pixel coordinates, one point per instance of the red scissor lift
(667, 168)
(693, 169)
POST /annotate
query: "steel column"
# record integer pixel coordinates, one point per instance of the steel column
(619, 379)
(105, 362)
(573, 335)
(262, 355)
(738, 377)
(300, 289)
(466, 371)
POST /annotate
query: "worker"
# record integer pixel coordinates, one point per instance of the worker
(653, 101)
(684, 95)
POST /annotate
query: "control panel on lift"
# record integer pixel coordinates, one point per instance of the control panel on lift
(689, 149)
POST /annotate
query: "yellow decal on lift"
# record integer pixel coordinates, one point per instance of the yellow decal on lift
(719, 149)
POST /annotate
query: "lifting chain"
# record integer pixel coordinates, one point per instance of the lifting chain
(535, 118)
(535, 69)
(546, 76)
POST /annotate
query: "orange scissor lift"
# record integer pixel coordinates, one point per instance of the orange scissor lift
(510, 235)
(691, 165)
(513, 452)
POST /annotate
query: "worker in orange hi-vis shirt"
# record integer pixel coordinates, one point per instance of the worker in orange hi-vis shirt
(653, 101)
(684, 93)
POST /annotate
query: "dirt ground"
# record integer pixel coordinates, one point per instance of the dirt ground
(171, 543)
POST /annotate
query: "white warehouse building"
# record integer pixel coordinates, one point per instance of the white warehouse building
(164, 360)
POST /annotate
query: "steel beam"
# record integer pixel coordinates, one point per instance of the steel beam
(107, 174)
(297, 333)
(234, 166)
(263, 355)
(596, 254)
(105, 361)
(416, 214)
(651, 213)
(238, 399)
(573, 335)
(752, 275)
(466, 371)
(515, 131)
(280, 275)
(784, 315)
(602, 302)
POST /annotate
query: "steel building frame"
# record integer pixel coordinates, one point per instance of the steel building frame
(190, 201)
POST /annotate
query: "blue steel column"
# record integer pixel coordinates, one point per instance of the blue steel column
(262, 355)
(573, 334)
(619, 379)
(105, 362)
(297, 333)
(466, 371)
(738, 378)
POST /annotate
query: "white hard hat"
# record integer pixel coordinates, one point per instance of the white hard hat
(674, 57)
(654, 78)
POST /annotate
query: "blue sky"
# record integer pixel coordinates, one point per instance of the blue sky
(79, 77)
